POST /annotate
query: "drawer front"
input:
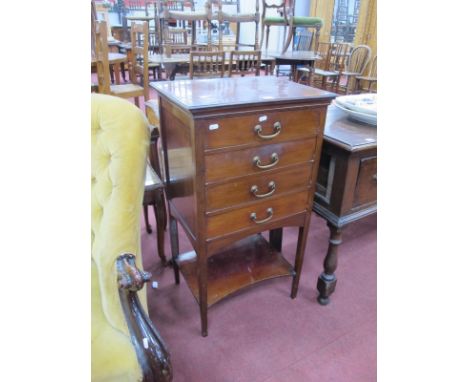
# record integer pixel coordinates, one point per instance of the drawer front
(265, 212)
(258, 160)
(366, 185)
(258, 187)
(262, 127)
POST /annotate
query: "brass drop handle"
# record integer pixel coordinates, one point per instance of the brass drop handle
(271, 187)
(276, 129)
(274, 161)
(253, 216)
(374, 177)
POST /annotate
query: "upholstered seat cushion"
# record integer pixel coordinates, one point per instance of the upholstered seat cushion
(297, 20)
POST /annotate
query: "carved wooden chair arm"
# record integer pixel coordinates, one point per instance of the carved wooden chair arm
(129, 276)
(151, 351)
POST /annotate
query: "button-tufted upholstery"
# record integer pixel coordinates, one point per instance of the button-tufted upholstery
(119, 144)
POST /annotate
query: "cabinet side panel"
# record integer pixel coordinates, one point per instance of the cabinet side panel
(176, 128)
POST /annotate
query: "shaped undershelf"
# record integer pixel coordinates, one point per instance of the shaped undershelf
(245, 263)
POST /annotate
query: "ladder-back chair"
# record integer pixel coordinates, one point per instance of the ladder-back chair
(102, 62)
(207, 64)
(244, 62)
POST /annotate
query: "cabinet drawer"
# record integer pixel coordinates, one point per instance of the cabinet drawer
(273, 126)
(366, 185)
(250, 161)
(258, 187)
(267, 211)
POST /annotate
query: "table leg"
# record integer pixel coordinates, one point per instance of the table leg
(301, 243)
(111, 70)
(327, 280)
(174, 233)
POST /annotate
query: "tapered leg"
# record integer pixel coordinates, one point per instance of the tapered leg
(174, 247)
(299, 257)
(327, 281)
(147, 224)
(203, 292)
(276, 238)
(159, 214)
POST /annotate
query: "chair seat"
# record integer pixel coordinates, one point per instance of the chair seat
(326, 73)
(307, 21)
(350, 74)
(152, 180)
(297, 21)
(365, 78)
(274, 20)
(129, 90)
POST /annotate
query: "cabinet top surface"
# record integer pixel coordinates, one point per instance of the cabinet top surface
(230, 92)
(353, 136)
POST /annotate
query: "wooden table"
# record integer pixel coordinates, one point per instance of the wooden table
(240, 158)
(346, 185)
(294, 58)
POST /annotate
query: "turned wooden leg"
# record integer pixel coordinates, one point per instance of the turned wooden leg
(174, 233)
(301, 242)
(276, 238)
(147, 224)
(159, 214)
(327, 281)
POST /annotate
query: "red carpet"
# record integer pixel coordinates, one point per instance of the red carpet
(260, 334)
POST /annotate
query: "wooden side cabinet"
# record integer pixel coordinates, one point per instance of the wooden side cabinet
(241, 157)
(346, 185)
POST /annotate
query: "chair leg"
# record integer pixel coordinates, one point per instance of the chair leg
(164, 210)
(122, 70)
(137, 101)
(159, 208)
(174, 247)
(147, 224)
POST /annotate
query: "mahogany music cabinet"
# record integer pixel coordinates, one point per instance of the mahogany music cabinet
(241, 157)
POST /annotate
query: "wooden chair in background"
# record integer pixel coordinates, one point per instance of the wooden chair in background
(206, 64)
(244, 62)
(269, 21)
(102, 62)
(226, 18)
(354, 67)
(326, 75)
(370, 79)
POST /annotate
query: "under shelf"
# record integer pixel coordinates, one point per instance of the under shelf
(245, 263)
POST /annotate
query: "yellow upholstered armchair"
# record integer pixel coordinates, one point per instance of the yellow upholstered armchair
(125, 345)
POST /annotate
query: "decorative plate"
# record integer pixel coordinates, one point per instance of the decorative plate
(362, 103)
(370, 119)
